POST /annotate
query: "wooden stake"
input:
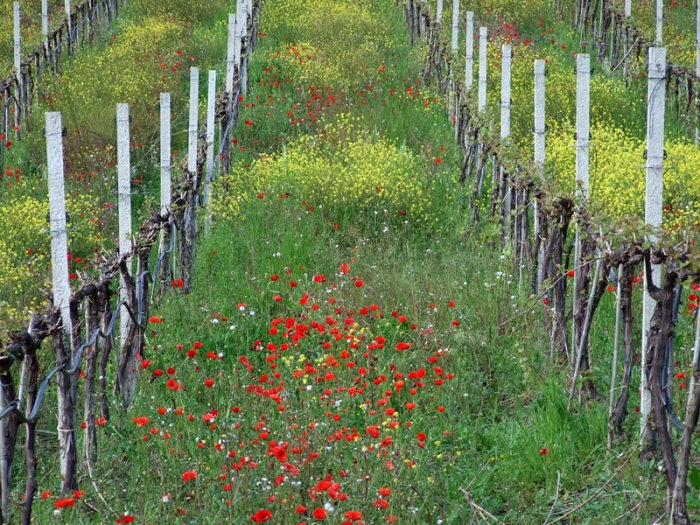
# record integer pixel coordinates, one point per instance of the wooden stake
(616, 349)
(653, 208)
(194, 110)
(469, 78)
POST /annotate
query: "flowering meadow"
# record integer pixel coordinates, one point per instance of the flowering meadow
(354, 350)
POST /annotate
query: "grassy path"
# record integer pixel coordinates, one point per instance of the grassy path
(352, 351)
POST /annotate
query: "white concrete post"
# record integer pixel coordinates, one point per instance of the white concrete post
(539, 114)
(659, 21)
(469, 78)
(438, 17)
(45, 18)
(455, 25)
(230, 54)
(59, 255)
(653, 208)
(540, 129)
(506, 56)
(165, 152)
(66, 8)
(628, 8)
(242, 26)
(124, 191)
(57, 218)
(17, 43)
(194, 110)
(583, 104)
(211, 123)
(237, 44)
(483, 64)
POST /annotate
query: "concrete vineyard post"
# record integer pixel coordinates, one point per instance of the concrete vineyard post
(124, 190)
(628, 8)
(59, 257)
(57, 218)
(653, 208)
(659, 22)
(583, 103)
(438, 17)
(194, 109)
(539, 129)
(211, 122)
(17, 47)
(483, 64)
(469, 75)
(242, 26)
(455, 25)
(237, 51)
(230, 52)
(165, 186)
(506, 56)
(165, 152)
(45, 22)
(66, 9)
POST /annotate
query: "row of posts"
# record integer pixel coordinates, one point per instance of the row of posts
(655, 139)
(54, 150)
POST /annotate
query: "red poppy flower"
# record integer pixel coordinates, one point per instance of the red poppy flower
(544, 451)
(373, 431)
(359, 283)
(209, 382)
(320, 514)
(189, 475)
(63, 503)
(261, 516)
(353, 515)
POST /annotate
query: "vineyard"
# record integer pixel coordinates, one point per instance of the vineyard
(350, 261)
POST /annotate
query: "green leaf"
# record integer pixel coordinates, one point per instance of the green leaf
(694, 477)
